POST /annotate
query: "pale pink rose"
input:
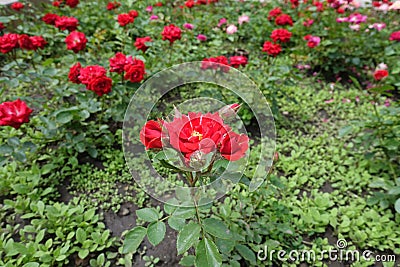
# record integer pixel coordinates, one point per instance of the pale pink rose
(357, 99)
(242, 19)
(188, 26)
(356, 4)
(346, 100)
(387, 102)
(329, 101)
(201, 37)
(355, 27)
(395, 6)
(149, 9)
(384, 8)
(340, 20)
(231, 29)
(379, 26)
(382, 66)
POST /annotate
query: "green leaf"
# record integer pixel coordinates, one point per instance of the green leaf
(397, 205)
(64, 117)
(345, 131)
(156, 232)
(83, 253)
(133, 239)
(187, 260)
(187, 237)
(80, 235)
(246, 253)
(176, 223)
(207, 254)
(31, 264)
(216, 228)
(147, 214)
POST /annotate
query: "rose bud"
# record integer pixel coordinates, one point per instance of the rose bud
(229, 111)
(276, 156)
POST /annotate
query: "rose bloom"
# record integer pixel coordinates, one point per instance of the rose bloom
(113, 5)
(74, 73)
(171, 33)
(135, 71)
(149, 9)
(189, 3)
(234, 146)
(231, 29)
(100, 85)
(25, 42)
(274, 13)
(14, 113)
(72, 3)
(89, 73)
(222, 22)
(196, 132)
(214, 63)
(153, 17)
(282, 35)
(380, 74)
(379, 26)
(76, 41)
(8, 42)
(151, 134)
(56, 3)
(118, 62)
(237, 61)
(50, 18)
(395, 36)
(140, 43)
(242, 19)
(319, 5)
(202, 37)
(272, 49)
(38, 42)
(125, 19)
(295, 3)
(284, 19)
(188, 26)
(158, 4)
(308, 23)
(17, 6)
(66, 23)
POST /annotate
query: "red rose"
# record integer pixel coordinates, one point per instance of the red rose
(319, 5)
(133, 13)
(76, 41)
(66, 23)
(8, 42)
(376, 3)
(50, 18)
(151, 134)
(72, 3)
(158, 4)
(113, 5)
(274, 13)
(295, 3)
(56, 3)
(135, 71)
(234, 146)
(196, 131)
(284, 19)
(340, 10)
(38, 42)
(210, 63)
(171, 33)
(100, 85)
(118, 62)
(272, 49)
(223, 61)
(25, 42)
(74, 73)
(395, 36)
(189, 3)
(2, 27)
(237, 61)
(14, 113)
(124, 19)
(87, 74)
(380, 74)
(140, 43)
(282, 35)
(17, 6)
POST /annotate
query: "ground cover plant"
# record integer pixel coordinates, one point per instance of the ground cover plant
(329, 71)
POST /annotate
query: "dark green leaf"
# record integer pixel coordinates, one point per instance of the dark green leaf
(156, 232)
(133, 239)
(187, 237)
(207, 254)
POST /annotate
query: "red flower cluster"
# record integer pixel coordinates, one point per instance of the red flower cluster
(127, 18)
(272, 49)
(76, 41)
(140, 43)
(281, 35)
(94, 77)
(284, 19)
(14, 113)
(9, 41)
(214, 63)
(70, 3)
(274, 13)
(113, 5)
(395, 36)
(237, 61)
(295, 3)
(195, 133)
(380, 74)
(17, 6)
(135, 71)
(66, 23)
(50, 18)
(171, 33)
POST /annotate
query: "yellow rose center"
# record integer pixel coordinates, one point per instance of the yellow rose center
(196, 133)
